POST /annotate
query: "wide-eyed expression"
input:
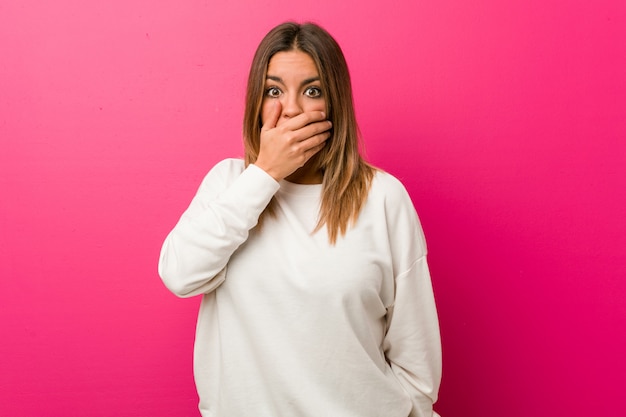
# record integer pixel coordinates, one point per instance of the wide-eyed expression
(293, 80)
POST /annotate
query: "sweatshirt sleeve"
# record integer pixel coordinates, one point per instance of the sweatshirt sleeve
(412, 343)
(226, 207)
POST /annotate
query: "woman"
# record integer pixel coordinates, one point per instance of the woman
(317, 299)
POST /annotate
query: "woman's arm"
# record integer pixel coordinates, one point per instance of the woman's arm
(412, 343)
(226, 207)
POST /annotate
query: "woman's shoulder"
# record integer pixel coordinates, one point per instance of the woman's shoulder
(388, 187)
(234, 165)
(223, 172)
(389, 194)
(229, 167)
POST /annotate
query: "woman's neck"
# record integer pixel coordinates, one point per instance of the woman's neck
(308, 174)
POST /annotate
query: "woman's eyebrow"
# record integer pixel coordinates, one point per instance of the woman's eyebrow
(275, 78)
(309, 81)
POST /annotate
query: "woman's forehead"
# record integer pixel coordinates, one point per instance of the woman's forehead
(290, 62)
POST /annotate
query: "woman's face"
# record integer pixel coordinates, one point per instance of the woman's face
(293, 80)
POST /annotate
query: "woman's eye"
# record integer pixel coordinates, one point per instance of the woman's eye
(272, 92)
(313, 92)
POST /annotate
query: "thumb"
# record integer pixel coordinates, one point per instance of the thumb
(275, 111)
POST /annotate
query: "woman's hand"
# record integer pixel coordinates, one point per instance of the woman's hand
(287, 147)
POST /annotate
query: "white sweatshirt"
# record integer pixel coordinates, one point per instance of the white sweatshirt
(291, 326)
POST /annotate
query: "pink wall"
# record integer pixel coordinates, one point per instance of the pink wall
(505, 119)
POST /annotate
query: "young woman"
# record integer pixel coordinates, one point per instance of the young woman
(317, 299)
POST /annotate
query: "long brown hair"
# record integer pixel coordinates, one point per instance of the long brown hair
(346, 176)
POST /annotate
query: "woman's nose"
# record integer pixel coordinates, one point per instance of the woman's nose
(291, 106)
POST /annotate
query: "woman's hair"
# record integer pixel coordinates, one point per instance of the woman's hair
(346, 176)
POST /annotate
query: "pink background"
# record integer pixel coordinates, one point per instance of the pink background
(505, 120)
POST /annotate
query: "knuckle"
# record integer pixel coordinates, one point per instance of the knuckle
(291, 137)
